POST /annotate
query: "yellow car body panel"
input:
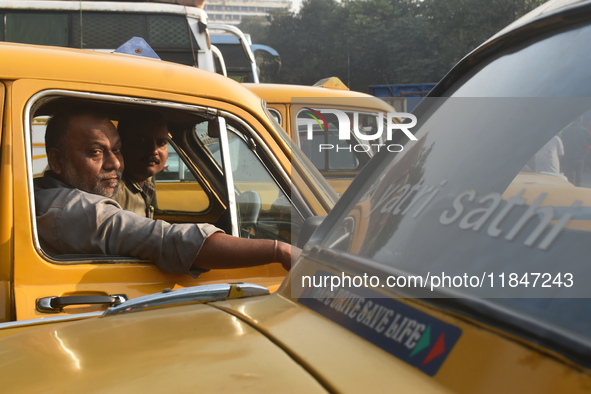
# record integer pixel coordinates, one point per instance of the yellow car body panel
(285, 93)
(186, 196)
(27, 273)
(138, 349)
(482, 361)
(559, 192)
(190, 196)
(122, 70)
(35, 277)
(341, 184)
(267, 343)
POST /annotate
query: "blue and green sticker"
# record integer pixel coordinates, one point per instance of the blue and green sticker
(411, 335)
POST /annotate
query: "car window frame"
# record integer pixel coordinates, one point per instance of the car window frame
(32, 105)
(262, 151)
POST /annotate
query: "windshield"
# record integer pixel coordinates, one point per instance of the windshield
(300, 162)
(495, 195)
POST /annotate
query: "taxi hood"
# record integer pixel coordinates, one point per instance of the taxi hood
(192, 348)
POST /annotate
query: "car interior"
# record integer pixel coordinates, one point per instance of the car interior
(192, 188)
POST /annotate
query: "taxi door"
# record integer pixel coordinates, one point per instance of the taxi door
(48, 285)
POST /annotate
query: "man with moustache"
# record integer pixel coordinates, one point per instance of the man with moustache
(145, 151)
(76, 214)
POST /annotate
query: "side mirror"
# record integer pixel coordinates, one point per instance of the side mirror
(310, 225)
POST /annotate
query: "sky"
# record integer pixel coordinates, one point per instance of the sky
(295, 5)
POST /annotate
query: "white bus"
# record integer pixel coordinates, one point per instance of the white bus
(177, 33)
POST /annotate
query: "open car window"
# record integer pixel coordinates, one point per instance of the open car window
(192, 188)
(264, 208)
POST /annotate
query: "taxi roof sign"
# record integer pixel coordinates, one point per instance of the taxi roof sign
(331, 83)
(137, 46)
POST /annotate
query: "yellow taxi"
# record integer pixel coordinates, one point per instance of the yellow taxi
(290, 105)
(37, 82)
(460, 265)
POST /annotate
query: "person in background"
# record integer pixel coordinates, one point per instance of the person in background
(144, 138)
(547, 159)
(575, 138)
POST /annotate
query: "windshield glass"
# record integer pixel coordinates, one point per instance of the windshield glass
(495, 196)
(300, 162)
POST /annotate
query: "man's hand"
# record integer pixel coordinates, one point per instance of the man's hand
(286, 254)
(221, 251)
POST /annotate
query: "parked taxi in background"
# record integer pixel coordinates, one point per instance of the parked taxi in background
(343, 159)
(458, 265)
(274, 187)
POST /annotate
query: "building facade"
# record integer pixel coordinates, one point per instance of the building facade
(233, 11)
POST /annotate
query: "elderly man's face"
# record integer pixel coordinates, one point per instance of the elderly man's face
(92, 159)
(145, 149)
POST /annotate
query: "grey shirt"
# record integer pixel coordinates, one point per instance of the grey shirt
(137, 198)
(71, 221)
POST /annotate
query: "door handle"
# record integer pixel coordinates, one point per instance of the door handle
(57, 304)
